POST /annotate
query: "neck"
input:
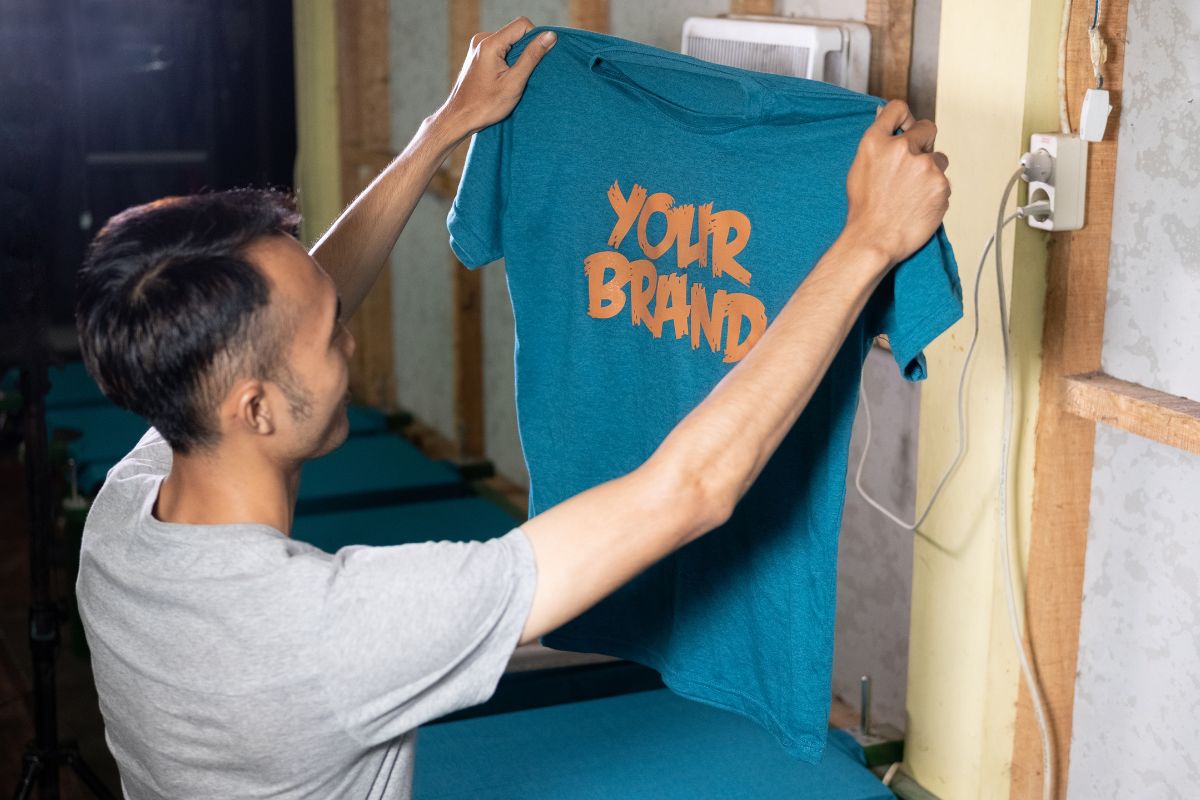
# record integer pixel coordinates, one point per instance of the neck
(220, 487)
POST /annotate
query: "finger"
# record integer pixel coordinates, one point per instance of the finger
(533, 54)
(942, 161)
(507, 36)
(894, 115)
(921, 135)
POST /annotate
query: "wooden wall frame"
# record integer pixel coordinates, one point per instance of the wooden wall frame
(364, 121)
(1076, 293)
(891, 24)
(467, 284)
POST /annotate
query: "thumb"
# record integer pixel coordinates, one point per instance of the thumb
(533, 54)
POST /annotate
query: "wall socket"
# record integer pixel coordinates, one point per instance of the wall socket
(1066, 187)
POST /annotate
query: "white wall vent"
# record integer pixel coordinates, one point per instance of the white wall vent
(833, 51)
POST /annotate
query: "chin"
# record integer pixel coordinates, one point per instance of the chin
(338, 430)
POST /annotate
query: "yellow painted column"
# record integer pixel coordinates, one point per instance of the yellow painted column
(318, 168)
(997, 68)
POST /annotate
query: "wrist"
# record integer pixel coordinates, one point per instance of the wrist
(865, 249)
(446, 128)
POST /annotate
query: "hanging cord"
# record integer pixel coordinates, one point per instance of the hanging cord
(1097, 47)
(962, 435)
(1031, 683)
(1098, 51)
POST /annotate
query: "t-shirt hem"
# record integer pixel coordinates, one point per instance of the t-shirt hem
(907, 350)
(806, 747)
(466, 244)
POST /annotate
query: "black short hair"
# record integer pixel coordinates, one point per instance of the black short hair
(169, 310)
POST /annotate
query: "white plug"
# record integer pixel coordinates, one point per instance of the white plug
(1056, 169)
(1093, 117)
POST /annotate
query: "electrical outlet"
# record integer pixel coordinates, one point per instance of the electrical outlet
(1066, 185)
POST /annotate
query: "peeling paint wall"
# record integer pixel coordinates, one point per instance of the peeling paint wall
(422, 310)
(1137, 697)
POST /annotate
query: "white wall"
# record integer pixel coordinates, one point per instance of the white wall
(422, 314)
(1137, 698)
(874, 554)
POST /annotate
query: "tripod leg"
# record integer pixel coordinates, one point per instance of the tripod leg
(89, 778)
(33, 766)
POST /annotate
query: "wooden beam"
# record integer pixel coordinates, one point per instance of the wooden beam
(467, 284)
(365, 143)
(753, 7)
(1165, 418)
(588, 15)
(1076, 291)
(891, 23)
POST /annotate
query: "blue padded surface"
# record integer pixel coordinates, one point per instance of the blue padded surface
(644, 746)
(464, 520)
(109, 432)
(366, 420)
(70, 385)
(371, 464)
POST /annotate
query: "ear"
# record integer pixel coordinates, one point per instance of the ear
(247, 408)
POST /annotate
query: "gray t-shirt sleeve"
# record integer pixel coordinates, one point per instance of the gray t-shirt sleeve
(412, 632)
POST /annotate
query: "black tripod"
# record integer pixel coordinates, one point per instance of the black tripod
(45, 754)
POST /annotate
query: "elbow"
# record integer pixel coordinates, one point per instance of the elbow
(701, 502)
(717, 503)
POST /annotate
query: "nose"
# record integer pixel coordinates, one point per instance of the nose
(351, 344)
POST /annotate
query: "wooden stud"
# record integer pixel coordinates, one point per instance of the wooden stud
(753, 7)
(468, 320)
(891, 23)
(1166, 418)
(1077, 282)
(365, 135)
(588, 15)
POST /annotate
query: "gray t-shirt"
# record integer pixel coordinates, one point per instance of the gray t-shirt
(233, 661)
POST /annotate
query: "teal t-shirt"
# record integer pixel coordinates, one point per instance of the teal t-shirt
(655, 212)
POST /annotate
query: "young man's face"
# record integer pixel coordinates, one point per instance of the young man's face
(317, 357)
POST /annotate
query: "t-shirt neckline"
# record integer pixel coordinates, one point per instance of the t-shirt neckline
(604, 64)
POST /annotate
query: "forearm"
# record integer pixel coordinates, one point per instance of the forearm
(357, 245)
(733, 432)
(589, 545)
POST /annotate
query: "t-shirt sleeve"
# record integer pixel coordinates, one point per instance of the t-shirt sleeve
(413, 632)
(917, 301)
(476, 218)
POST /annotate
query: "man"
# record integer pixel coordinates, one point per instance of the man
(233, 661)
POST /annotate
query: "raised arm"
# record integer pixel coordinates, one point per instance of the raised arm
(591, 544)
(357, 245)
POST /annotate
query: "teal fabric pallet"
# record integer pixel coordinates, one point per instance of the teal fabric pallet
(644, 746)
(370, 465)
(461, 520)
(71, 385)
(104, 433)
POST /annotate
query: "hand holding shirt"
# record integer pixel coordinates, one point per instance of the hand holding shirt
(655, 213)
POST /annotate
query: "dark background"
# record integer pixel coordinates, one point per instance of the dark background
(106, 104)
(110, 103)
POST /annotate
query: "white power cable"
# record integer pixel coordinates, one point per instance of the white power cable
(1031, 683)
(1006, 441)
(962, 438)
